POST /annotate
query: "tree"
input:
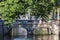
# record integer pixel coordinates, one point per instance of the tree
(10, 10)
(44, 8)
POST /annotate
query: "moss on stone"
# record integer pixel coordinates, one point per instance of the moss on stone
(39, 31)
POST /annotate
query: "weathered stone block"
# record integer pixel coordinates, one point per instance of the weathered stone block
(40, 31)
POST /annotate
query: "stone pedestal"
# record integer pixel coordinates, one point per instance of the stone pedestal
(55, 29)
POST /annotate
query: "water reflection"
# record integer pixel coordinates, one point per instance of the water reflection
(23, 38)
(7, 38)
(50, 37)
(30, 37)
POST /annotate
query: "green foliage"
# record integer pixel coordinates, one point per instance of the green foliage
(11, 9)
(43, 8)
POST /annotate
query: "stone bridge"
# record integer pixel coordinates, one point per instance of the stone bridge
(26, 24)
(29, 26)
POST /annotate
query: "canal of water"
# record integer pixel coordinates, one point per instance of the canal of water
(30, 37)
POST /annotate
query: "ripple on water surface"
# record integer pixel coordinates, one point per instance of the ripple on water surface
(30, 37)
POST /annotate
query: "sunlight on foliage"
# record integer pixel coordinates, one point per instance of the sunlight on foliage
(11, 9)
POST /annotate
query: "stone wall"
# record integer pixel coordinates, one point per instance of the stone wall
(49, 27)
(40, 31)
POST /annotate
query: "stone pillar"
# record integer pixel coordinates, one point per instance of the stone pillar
(29, 13)
(58, 14)
(55, 29)
(53, 16)
(1, 30)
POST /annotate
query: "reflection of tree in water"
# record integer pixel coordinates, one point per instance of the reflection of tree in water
(30, 37)
(50, 37)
